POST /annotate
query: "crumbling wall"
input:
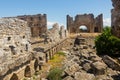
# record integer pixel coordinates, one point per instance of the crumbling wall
(14, 38)
(56, 33)
(37, 23)
(62, 32)
(98, 23)
(115, 18)
(88, 20)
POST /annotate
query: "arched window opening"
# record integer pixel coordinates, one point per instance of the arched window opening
(36, 65)
(96, 29)
(83, 29)
(14, 77)
(27, 72)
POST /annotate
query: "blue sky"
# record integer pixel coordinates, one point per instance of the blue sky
(56, 10)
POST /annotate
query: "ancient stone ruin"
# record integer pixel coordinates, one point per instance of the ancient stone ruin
(15, 47)
(88, 20)
(37, 23)
(23, 52)
(55, 34)
(20, 56)
(115, 18)
(14, 37)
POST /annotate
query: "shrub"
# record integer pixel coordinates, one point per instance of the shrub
(55, 74)
(107, 44)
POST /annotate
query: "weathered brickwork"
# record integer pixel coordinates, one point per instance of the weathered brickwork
(37, 23)
(115, 18)
(14, 44)
(55, 34)
(92, 24)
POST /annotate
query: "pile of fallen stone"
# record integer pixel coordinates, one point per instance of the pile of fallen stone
(82, 63)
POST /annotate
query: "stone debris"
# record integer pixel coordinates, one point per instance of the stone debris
(84, 76)
(68, 78)
(99, 68)
(84, 64)
(111, 63)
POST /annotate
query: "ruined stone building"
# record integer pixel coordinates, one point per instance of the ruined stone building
(88, 20)
(14, 37)
(14, 45)
(18, 58)
(56, 33)
(37, 23)
(115, 18)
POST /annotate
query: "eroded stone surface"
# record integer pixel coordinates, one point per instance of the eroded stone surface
(116, 18)
(92, 24)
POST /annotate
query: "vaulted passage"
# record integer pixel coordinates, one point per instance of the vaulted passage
(14, 77)
(83, 29)
(37, 67)
(27, 72)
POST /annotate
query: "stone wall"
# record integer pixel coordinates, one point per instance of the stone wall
(56, 33)
(98, 23)
(14, 42)
(37, 23)
(88, 20)
(115, 18)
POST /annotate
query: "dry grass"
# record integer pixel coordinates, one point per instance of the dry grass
(56, 61)
(84, 35)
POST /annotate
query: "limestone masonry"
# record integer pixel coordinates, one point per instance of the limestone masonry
(115, 18)
(14, 42)
(14, 37)
(37, 23)
(88, 20)
(26, 45)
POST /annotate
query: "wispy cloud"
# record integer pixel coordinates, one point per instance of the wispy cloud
(107, 22)
(50, 23)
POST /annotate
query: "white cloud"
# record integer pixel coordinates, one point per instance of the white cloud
(50, 24)
(107, 22)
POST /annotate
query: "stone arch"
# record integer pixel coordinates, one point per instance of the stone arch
(83, 28)
(14, 77)
(46, 55)
(86, 24)
(37, 67)
(27, 72)
(86, 19)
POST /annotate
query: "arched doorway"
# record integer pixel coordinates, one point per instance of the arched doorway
(96, 29)
(83, 29)
(37, 67)
(27, 72)
(14, 77)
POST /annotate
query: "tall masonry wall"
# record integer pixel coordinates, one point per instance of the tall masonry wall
(37, 23)
(14, 44)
